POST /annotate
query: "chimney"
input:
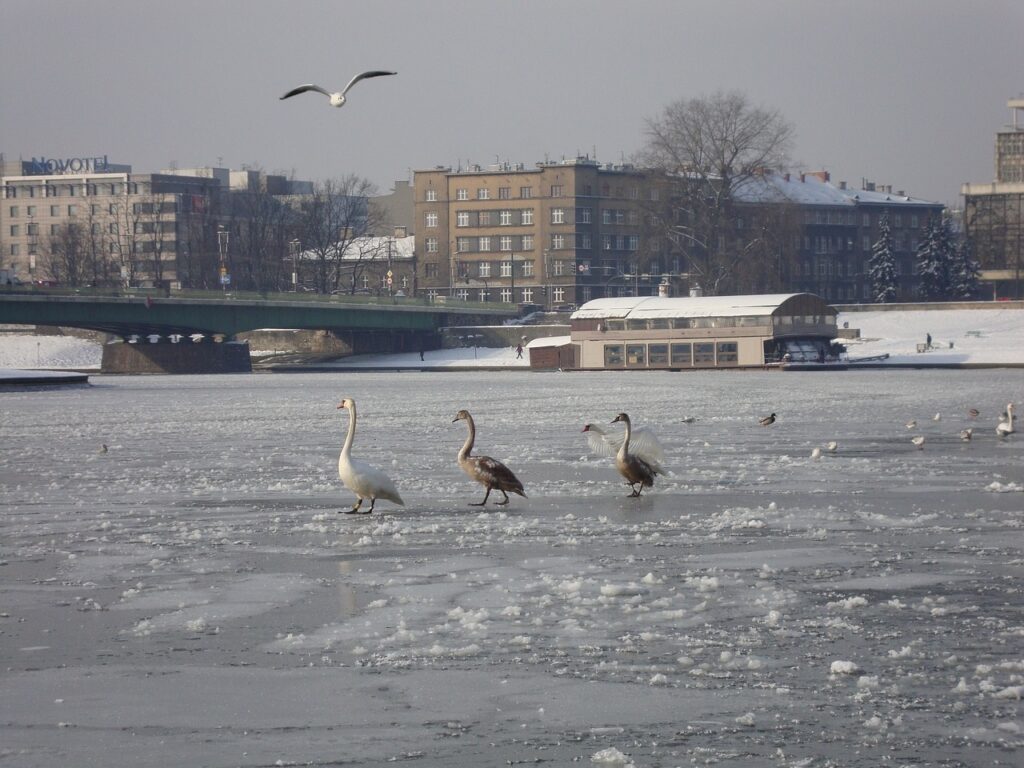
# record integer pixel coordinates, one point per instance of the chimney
(663, 289)
(901, 193)
(842, 185)
(695, 291)
(869, 186)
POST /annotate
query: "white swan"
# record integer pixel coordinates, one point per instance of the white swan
(642, 443)
(337, 98)
(489, 472)
(366, 481)
(1005, 428)
(636, 471)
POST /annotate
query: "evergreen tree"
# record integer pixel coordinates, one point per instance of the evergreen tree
(965, 274)
(882, 265)
(935, 262)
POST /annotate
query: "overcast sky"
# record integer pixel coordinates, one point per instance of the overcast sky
(908, 93)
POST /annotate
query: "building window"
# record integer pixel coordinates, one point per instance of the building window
(431, 195)
(506, 295)
(505, 218)
(727, 353)
(559, 267)
(462, 194)
(15, 230)
(32, 229)
(431, 244)
(606, 242)
(558, 216)
(632, 242)
(430, 270)
(72, 210)
(431, 219)
(462, 244)
(14, 211)
(462, 294)
(504, 193)
(526, 216)
(528, 268)
(483, 193)
(558, 295)
(527, 295)
(583, 215)
(484, 244)
(505, 243)
(55, 210)
(526, 192)
(14, 249)
(897, 220)
(636, 356)
(613, 357)
(527, 243)
(484, 269)
(556, 190)
(657, 355)
(558, 242)
(484, 219)
(462, 219)
(704, 354)
(680, 354)
(865, 220)
(913, 221)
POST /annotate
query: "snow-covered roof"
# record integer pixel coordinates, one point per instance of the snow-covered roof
(644, 307)
(549, 341)
(809, 189)
(374, 249)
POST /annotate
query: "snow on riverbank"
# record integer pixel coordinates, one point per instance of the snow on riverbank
(977, 336)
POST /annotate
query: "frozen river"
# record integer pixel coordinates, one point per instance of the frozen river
(190, 597)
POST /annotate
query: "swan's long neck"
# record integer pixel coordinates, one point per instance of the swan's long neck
(468, 445)
(350, 436)
(624, 448)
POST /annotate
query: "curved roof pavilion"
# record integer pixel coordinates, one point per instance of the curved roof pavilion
(648, 307)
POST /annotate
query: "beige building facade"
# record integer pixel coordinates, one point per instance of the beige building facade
(554, 235)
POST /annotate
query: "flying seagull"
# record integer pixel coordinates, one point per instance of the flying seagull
(337, 99)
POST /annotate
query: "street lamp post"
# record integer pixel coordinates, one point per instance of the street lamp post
(513, 274)
(295, 247)
(223, 238)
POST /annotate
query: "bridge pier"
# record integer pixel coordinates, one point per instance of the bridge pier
(186, 356)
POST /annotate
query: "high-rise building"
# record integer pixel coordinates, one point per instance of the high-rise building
(994, 212)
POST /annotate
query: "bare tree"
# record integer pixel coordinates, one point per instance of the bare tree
(708, 149)
(328, 220)
(263, 223)
(65, 254)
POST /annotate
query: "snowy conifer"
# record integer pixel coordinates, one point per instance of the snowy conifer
(933, 259)
(882, 265)
(965, 275)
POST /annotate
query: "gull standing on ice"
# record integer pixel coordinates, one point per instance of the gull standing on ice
(337, 98)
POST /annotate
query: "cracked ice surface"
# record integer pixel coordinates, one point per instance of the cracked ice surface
(192, 597)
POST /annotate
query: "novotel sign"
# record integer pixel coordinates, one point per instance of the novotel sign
(52, 165)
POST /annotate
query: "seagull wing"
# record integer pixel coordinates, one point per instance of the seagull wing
(303, 89)
(363, 76)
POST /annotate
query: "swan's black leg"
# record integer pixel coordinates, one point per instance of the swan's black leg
(355, 509)
(373, 500)
(481, 503)
(502, 503)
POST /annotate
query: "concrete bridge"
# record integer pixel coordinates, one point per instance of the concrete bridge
(143, 315)
(363, 323)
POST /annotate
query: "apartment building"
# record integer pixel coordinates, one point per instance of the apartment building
(557, 234)
(564, 233)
